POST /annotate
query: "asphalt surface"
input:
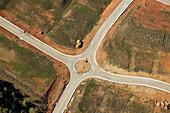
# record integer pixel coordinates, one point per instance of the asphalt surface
(167, 2)
(90, 52)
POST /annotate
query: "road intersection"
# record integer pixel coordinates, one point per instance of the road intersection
(96, 71)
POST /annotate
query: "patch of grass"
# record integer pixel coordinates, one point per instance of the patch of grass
(163, 110)
(98, 97)
(47, 4)
(129, 35)
(8, 4)
(83, 18)
(28, 63)
(29, 22)
(35, 13)
(144, 61)
(86, 98)
(141, 37)
(140, 108)
(138, 7)
(166, 13)
(60, 38)
(127, 18)
(99, 4)
(42, 90)
(119, 53)
(3, 61)
(31, 11)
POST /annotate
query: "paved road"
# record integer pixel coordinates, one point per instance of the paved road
(90, 53)
(167, 2)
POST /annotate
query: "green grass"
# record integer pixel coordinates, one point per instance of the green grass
(30, 11)
(84, 17)
(8, 4)
(86, 98)
(98, 97)
(83, 20)
(28, 22)
(29, 63)
(144, 61)
(25, 65)
(119, 53)
(129, 35)
(138, 36)
(96, 4)
(3, 61)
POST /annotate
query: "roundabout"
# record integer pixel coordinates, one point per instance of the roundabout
(79, 65)
(82, 66)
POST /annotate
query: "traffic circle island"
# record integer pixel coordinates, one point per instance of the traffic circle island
(82, 66)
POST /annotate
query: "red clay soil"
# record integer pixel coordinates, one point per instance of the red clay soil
(164, 60)
(53, 92)
(72, 51)
(149, 15)
(157, 6)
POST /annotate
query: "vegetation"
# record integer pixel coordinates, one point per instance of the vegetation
(28, 95)
(83, 106)
(119, 53)
(129, 36)
(12, 100)
(20, 67)
(28, 63)
(99, 97)
(7, 4)
(54, 19)
(144, 61)
(78, 23)
(34, 12)
(143, 38)
(161, 68)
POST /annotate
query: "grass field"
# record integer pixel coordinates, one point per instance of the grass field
(20, 66)
(78, 23)
(130, 36)
(28, 63)
(144, 61)
(64, 21)
(103, 98)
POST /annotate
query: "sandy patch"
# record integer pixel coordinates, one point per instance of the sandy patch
(82, 66)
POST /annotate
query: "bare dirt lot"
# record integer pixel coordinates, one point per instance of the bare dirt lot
(82, 66)
(53, 91)
(96, 95)
(133, 46)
